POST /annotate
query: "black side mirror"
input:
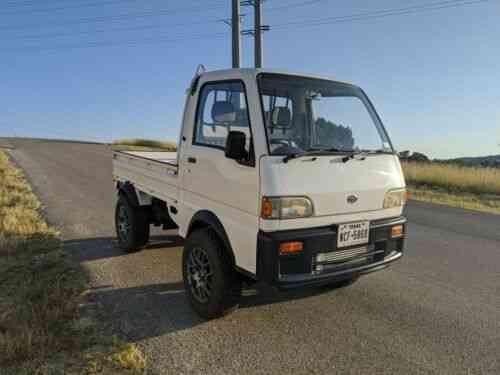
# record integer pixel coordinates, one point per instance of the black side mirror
(235, 145)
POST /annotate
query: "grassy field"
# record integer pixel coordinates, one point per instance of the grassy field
(143, 145)
(41, 330)
(466, 187)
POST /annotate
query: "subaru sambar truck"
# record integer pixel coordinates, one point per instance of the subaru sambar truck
(286, 179)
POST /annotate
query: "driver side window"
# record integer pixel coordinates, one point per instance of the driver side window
(222, 108)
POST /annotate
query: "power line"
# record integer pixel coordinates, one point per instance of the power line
(286, 26)
(119, 17)
(74, 6)
(121, 43)
(28, 2)
(113, 29)
(24, 3)
(380, 13)
(294, 5)
(101, 3)
(147, 27)
(20, 8)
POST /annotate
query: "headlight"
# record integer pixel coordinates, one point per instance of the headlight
(395, 198)
(286, 207)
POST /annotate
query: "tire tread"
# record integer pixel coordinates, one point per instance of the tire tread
(140, 226)
(228, 297)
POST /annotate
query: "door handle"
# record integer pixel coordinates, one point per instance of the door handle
(191, 160)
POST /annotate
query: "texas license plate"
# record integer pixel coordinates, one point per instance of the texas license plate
(353, 233)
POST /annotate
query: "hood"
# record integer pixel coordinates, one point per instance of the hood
(333, 186)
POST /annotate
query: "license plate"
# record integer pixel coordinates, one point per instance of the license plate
(353, 233)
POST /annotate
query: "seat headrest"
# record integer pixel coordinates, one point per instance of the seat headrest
(223, 111)
(281, 117)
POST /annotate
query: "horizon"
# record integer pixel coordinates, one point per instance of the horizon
(432, 73)
(169, 140)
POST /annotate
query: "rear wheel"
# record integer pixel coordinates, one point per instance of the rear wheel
(132, 226)
(212, 285)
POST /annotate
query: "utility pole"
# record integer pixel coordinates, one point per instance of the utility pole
(257, 4)
(235, 26)
(257, 30)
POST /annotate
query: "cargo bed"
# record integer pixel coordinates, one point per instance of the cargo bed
(152, 172)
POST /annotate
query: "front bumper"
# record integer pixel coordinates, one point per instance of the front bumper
(304, 269)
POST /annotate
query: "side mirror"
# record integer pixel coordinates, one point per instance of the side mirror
(235, 145)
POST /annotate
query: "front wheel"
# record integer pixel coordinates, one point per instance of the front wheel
(212, 285)
(132, 226)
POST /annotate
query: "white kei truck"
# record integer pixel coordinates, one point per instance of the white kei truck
(290, 180)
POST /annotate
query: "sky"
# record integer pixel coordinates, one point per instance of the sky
(107, 69)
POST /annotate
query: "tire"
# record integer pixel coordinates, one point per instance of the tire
(132, 225)
(212, 285)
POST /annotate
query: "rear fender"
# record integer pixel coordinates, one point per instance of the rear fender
(134, 196)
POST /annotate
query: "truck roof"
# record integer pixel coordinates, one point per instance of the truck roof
(252, 72)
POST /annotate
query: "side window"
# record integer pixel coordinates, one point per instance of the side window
(222, 107)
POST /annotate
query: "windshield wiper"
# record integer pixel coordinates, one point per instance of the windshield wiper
(349, 154)
(289, 157)
(316, 152)
(352, 155)
(363, 153)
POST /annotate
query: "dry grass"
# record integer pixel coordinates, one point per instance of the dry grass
(126, 357)
(453, 178)
(41, 331)
(457, 186)
(143, 145)
(484, 203)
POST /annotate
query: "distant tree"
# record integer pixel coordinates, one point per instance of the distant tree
(337, 136)
(413, 156)
(404, 155)
(418, 156)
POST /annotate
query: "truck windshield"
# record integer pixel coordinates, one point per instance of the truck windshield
(305, 114)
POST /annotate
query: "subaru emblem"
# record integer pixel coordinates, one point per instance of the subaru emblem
(352, 199)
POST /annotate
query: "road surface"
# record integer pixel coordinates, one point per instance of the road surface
(437, 311)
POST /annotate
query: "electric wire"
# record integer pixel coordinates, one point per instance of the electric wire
(380, 13)
(440, 5)
(120, 17)
(73, 5)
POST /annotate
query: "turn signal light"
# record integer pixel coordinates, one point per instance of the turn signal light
(408, 195)
(397, 231)
(291, 247)
(267, 208)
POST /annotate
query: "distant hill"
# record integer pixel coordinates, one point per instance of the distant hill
(477, 161)
(484, 161)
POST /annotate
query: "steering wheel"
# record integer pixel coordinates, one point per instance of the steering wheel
(286, 146)
(281, 141)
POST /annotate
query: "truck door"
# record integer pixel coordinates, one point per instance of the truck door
(228, 188)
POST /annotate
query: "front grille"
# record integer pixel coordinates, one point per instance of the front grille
(342, 255)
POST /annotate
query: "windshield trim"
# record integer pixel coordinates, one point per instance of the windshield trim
(368, 104)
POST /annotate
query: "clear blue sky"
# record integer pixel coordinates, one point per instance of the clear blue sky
(433, 76)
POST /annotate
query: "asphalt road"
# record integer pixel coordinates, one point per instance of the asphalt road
(437, 311)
